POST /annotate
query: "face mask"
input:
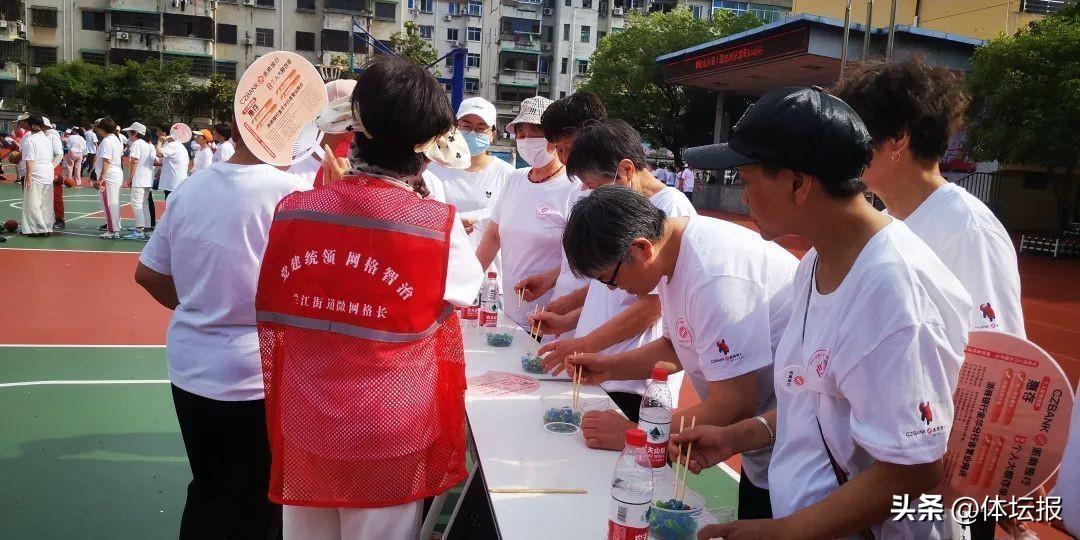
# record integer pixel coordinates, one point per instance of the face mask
(534, 151)
(477, 143)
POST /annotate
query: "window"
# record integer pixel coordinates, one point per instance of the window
(385, 11)
(562, 94)
(226, 69)
(226, 33)
(412, 4)
(347, 5)
(582, 67)
(472, 60)
(43, 16)
(1044, 7)
(514, 94)
(738, 8)
(426, 31)
(525, 63)
(476, 9)
(451, 34)
(768, 13)
(42, 56)
(93, 57)
(520, 26)
(695, 10)
(305, 41)
(547, 33)
(188, 26)
(586, 33)
(264, 37)
(132, 19)
(568, 3)
(566, 32)
(544, 65)
(338, 41)
(305, 5)
(474, 33)
(562, 69)
(449, 62)
(198, 66)
(452, 8)
(93, 20)
(9, 89)
(265, 3)
(472, 86)
(600, 34)
(13, 51)
(427, 6)
(587, 4)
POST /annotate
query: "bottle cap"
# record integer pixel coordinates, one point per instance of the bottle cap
(492, 275)
(659, 374)
(635, 437)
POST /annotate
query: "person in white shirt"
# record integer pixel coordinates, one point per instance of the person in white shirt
(208, 280)
(91, 150)
(726, 298)
(310, 169)
(37, 203)
(685, 182)
(204, 155)
(174, 162)
(58, 182)
(1068, 478)
(528, 219)
(475, 191)
(110, 175)
(141, 159)
(73, 161)
(876, 338)
(223, 138)
(613, 321)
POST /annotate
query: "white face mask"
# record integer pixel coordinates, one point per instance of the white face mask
(534, 151)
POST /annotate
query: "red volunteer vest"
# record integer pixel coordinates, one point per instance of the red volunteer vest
(362, 358)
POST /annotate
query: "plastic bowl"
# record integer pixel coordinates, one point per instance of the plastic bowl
(500, 339)
(667, 524)
(532, 363)
(559, 414)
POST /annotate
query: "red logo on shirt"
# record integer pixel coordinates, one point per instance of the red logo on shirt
(819, 362)
(686, 336)
(987, 311)
(543, 211)
(723, 347)
(925, 413)
(799, 380)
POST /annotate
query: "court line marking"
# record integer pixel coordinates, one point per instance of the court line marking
(52, 383)
(730, 472)
(68, 250)
(77, 346)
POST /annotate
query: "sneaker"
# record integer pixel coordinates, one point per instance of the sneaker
(59, 225)
(135, 235)
(103, 228)
(109, 236)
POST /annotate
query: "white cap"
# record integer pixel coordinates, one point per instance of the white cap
(47, 123)
(137, 128)
(480, 107)
(23, 116)
(340, 88)
(531, 110)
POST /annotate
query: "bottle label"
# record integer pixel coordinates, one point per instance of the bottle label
(489, 319)
(470, 315)
(628, 521)
(656, 445)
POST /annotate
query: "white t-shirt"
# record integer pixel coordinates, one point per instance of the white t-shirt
(174, 165)
(76, 145)
(143, 176)
(203, 158)
(567, 282)
(37, 147)
(531, 217)
(91, 142)
(113, 150)
(887, 342)
(437, 192)
(224, 151)
(724, 309)
(974, 245)
(685, 181)
(307, 169)
(474, 195)
(212, 345)
(602, 303)
(1068, 479)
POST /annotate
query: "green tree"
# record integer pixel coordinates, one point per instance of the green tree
(68, 92)
(624, 73)
(408, 44)
(218, 94)
(1025, 106)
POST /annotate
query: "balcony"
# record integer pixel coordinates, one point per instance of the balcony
(524, 6)
(348, 7)
(512, 77)
(528, 44)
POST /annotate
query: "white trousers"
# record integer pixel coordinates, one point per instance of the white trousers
(110, 203)
(37, 208)
(400, 522)
(140, 206)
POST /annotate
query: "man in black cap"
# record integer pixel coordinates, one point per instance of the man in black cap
(876, 339)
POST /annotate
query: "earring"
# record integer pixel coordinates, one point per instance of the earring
(896, 157)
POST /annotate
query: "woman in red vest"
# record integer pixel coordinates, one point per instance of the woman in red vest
(362, 355)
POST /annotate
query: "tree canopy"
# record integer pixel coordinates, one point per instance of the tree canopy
(1025, 100)
(624, 74)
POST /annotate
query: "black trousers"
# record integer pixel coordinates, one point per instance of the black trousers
(629, 403)
(153, 211)
(754, 502)
(229, 453)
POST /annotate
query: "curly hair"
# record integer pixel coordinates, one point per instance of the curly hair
(925, 102)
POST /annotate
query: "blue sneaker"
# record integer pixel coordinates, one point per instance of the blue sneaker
(135, 235)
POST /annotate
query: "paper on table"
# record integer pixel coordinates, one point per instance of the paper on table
(501, 383)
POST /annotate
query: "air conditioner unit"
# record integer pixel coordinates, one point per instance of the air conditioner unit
(123, 36)
(546, 46)
(175, 3)
(618, 12)
(543, 80)
(495, 76)
(415, 11)
(548, 11)
(249, 2)
(504, 135)
(35, 70)
(447, 18)
(3, 23)
(248, 40)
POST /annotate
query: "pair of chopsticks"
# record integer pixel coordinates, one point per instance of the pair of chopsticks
(558, 491)
(680, 487)
(577, 384)
(521, 296)
(535, 329)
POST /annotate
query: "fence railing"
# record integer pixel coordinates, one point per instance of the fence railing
(983, 185)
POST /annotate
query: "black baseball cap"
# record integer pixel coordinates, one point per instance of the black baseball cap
(36, 121)
(803, 129)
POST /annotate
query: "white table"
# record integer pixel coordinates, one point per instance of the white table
(516, 451)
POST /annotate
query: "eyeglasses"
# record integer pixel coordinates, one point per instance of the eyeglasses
(614, 276)
(466, 129)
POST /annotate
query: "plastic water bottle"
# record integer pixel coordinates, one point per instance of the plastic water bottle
(489, 304)
(631, 491)
(470, 315)
(654, 417)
